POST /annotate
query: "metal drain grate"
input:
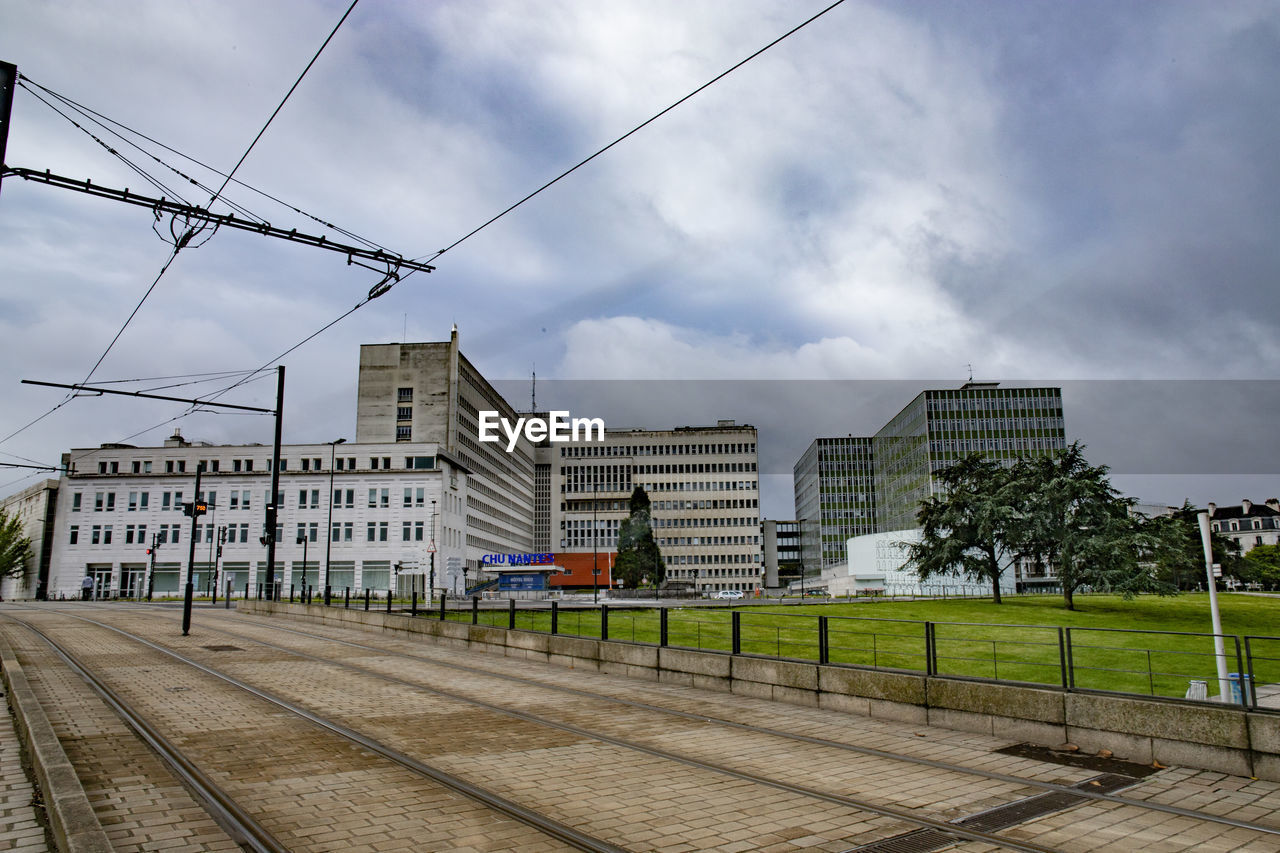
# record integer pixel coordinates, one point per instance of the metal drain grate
(1000, 817)
(223, 648)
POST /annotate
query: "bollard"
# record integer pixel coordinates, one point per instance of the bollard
(366, 598)
(442, 598)
(291, 593)
(346, 598)
(388, 601)
(413, 603)
(475, 610)
(227, 600)
(246, 590)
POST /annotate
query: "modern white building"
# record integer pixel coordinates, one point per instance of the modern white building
(359, 515)
(877, 564)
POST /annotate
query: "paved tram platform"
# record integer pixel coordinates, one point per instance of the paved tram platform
(279, 733)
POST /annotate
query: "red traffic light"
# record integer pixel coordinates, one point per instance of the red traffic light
(148, 552)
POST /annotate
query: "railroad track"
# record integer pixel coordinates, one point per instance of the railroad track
(609, 722)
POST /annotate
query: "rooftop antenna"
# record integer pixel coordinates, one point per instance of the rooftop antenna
(971, 371)
(533, 390)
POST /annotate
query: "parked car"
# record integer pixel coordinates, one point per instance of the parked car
(728, 593)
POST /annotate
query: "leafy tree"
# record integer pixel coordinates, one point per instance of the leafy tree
(639, 560)
(1260, 565)
(1178, 551)
(965, 528)
(1069, 517)
(15, 549)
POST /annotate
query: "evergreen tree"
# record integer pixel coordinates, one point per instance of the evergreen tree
(639, 560)
(15, 549)
(964, 529)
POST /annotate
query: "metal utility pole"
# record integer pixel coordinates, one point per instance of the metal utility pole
(595, 548)
(272, 509)
(8, 82)
(431, 582)
(151, 571)
(195, 509)
(217, 556)
(1220, 655)
(328, 533)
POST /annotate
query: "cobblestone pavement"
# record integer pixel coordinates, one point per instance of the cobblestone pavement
(593, 751)
(22, 830)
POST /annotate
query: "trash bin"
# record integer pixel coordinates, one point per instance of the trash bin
(1198, 690)
(1239, 687)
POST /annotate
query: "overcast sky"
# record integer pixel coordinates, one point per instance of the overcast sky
(1044, 191)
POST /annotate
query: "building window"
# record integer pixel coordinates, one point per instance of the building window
(404, 395)
(306, 464)
(97, 501)
(106, 534)
(74, 539)
(95, 535)
(420, 463)
(404, 433)
(404, 413)
(75, 502)
(102, 467)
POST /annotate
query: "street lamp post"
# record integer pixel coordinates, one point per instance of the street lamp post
(302, 540)
(595, 550)
(328, 534)
(431, 581)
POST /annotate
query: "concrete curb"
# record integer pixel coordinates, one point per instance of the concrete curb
(75, 826)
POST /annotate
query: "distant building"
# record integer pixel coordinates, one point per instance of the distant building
(120, 519)
(1248, 524)
(34, 507)
(782, 553)
(877, 564)
(430, 392)
(939, 427)
(834, 484)
(704, 490)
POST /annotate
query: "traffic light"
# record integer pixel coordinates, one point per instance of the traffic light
(148, 552)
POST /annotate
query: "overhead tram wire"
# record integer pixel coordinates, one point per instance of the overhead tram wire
(180, 244)
(631, 132)
(104, 120)
(561, 176)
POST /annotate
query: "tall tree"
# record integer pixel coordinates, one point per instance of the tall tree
(964, 529)
(15, 549)
(1178, 551)
(1261, 565)
(639, 560)
(1069, 517)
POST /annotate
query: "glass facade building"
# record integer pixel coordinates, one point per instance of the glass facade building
(851, 486)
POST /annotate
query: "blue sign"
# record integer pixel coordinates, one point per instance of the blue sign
(532, 581)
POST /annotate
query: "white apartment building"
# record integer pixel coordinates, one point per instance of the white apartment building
(703, 483)
(359, 515)
(34, 508)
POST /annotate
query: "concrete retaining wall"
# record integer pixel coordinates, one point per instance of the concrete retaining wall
(75, 826)
(1225, 739)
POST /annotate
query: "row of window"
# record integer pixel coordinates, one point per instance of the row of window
(587, 450)
(238, 466)
(413, 496)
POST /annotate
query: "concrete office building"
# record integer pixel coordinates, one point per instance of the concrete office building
(782, 553)
(34, 507)
(430, 392)
(834, 484)
(379, 504)
(703, 483)
(939, 427)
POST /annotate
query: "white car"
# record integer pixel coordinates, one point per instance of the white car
(728, 593)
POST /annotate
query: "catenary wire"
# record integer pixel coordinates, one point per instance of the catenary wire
(178, 246)
(107, 120)
(566, 173)
(634, 130)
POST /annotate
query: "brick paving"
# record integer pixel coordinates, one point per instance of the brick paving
(22, 827)
(321, 794)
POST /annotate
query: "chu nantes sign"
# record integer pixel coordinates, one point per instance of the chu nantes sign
(558, 428)
(519, 559)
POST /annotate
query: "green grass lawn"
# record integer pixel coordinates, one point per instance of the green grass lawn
(1018, 640)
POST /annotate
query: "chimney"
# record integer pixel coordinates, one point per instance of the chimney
(1245, 506)
(1212, 507)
